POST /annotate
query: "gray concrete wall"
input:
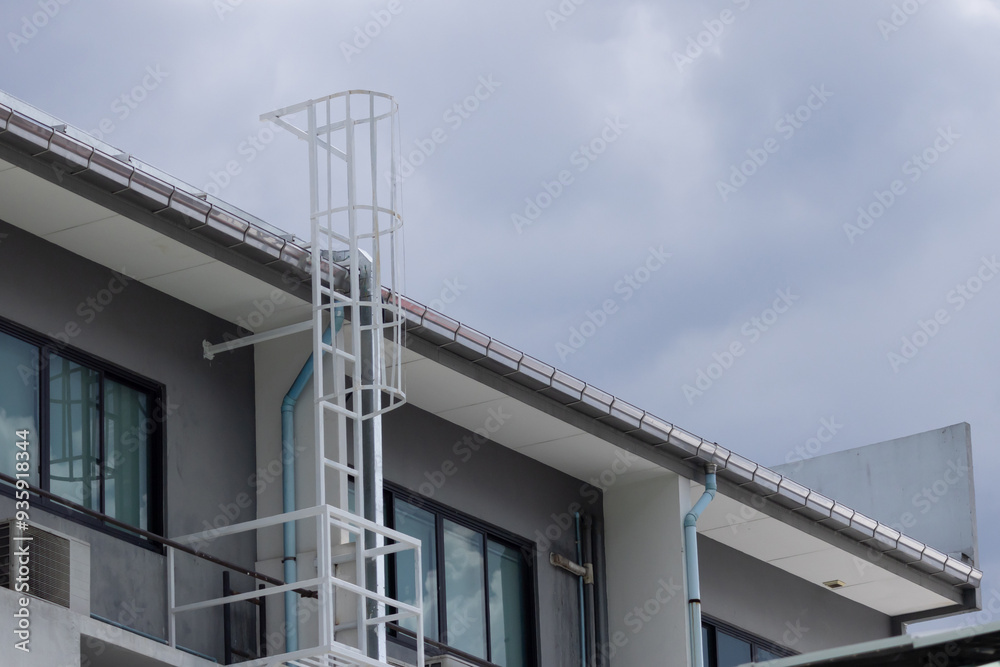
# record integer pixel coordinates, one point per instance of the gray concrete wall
(769, 602)
(921, 485)
(61, 638)
(210, 435)
(426, 455)
(493, 483)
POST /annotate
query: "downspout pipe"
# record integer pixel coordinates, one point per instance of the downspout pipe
(589, 600)
(583, 613)
(288, 488)
(691, 564)
(602, 640)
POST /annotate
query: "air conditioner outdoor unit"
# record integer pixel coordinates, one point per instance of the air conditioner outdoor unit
(58, 566)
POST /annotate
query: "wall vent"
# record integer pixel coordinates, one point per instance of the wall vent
(58, 568)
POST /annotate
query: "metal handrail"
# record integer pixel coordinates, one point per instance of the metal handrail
(153, 537)
(444, 648)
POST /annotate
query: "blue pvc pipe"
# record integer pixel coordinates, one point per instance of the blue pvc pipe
(288, 488)
(691, 565)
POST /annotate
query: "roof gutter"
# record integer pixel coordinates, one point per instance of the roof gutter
(144, 189)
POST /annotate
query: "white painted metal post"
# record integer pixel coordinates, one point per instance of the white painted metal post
(171, 599)
(356, 265)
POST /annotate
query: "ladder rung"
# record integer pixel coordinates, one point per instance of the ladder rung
(341, 467)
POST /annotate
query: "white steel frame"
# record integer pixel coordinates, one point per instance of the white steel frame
(328, 519)
(357, 269)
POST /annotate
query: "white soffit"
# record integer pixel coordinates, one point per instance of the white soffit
(40, 207)
(102, 236)
(470, 404)
(149, 254)
(765, 538)
(436, 389)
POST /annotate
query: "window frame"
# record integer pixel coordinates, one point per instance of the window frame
(441, 512)
(48, 346)
(713, 625)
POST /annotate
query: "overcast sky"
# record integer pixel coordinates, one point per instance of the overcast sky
(714, 158)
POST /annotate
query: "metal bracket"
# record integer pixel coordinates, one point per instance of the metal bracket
(209, 351)
(586, 570)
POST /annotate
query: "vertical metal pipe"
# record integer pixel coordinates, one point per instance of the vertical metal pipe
(171, 598)
(691, 564)
(289, 548)
(589, 596)
(371, 458)
(227, 621)
(262, 621)
(601, 633)
(583, 615)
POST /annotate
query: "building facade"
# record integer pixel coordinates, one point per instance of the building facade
(550, 514)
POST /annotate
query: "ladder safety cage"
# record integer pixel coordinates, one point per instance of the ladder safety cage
(356, 228)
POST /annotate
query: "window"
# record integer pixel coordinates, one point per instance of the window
(94, 430)
(725, 645)
(477, 586)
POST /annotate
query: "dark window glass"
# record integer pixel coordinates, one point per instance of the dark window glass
(728, 646)
(418, 523)
(764, 654)
(476, 586)
(100, 438)
(18, 405)
(508, 608)
(463, 584)
(731, 651)
(127, 425)
(74, 432)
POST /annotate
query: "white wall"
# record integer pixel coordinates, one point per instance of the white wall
(647, 605)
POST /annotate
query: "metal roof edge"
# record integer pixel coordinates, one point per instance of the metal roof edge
(886, 647)
(139, 184)
(682, 444)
